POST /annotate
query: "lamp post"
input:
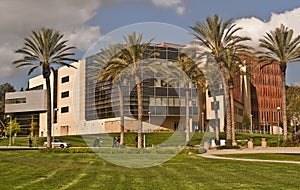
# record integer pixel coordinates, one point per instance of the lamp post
(202, 123)
(10, 129)
(278, 109)
(54, 112)
(149, 116)
(295, 127)
(264, 125)
(251, 123)
(149, 120)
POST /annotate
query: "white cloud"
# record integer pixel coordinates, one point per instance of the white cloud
(18, 18)
(256, 28)
(177, 4)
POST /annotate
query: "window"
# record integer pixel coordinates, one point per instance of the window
(65, 79)
(215, 105)
(65, 109)
(15, 101)
(65, 94)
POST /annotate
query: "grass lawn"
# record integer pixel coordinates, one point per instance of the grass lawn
(32, 169)
(269, 156)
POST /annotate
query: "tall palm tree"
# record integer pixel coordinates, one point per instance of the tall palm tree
(279, 47)
(234, 61)
(44, 49)
(192, 70)
(218, 36)
(132, 52)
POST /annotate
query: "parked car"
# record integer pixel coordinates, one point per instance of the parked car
(58, 143)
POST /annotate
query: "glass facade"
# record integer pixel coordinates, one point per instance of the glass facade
(160, 95)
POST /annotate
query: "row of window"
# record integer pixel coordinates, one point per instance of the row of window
(15, 101)
(65, 94)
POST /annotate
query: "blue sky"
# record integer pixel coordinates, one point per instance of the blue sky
(84, 22)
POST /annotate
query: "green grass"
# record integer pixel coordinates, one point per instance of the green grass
(269, 156)
(38, 170)
(152, 139)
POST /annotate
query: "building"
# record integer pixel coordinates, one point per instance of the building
(266, 98)
(84, 105)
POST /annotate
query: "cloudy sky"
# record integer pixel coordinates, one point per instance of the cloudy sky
(84, 22)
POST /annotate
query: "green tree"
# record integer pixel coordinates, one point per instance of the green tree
(34, 130)
(5, 87)
(279, 47)
(45, 49)
(218, 36)
(12, 128)
(246, 122)
(293, 104)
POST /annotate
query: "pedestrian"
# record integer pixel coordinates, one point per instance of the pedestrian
(118, 141)
(97, 142)
(136, 141)
(114, 142)
(30, 142)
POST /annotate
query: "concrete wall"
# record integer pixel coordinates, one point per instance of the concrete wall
(35, 101)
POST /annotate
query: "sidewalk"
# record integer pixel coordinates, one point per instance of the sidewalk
(257, 150)
(19, 148)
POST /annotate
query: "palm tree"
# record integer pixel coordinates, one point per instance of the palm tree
(132, 52)
(218, 36)
(44, 49)
(192, 70)
(234, 61)
(279, 47)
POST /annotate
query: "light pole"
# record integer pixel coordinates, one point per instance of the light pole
(149, 115)
(278, 109)
(54, 112)
(264, 125)
(295, 126)
(202, 123)
(251, 123)
(10, 129)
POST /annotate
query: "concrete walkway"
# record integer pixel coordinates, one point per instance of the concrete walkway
(284, 150)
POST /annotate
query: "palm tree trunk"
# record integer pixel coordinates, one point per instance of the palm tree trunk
(227, 109)
(284, 118)
(232, 113)
(122, 140)
(49, 110)
(187, 114)
(200, 107)
(140, 111)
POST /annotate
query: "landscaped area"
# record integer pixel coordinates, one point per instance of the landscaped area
(81, 168)
(32, 169)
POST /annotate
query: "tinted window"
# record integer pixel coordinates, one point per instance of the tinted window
(65, 94)
(64, 109)
(65, 79)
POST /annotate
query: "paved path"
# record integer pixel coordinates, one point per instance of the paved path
(286, 150)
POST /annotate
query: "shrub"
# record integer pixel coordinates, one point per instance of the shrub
(228, 147)
(202, 150)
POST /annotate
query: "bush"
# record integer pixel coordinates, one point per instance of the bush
(228, 147)
(202, 151)
(66, 150)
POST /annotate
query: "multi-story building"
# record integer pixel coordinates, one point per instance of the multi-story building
(266, 97)
(82, 104)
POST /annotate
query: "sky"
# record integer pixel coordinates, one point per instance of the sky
(85, 22)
